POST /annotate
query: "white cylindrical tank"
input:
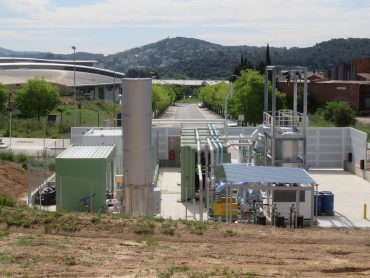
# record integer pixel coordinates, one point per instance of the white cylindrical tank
(287, 153)
(136, 136)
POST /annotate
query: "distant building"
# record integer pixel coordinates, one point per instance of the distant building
(358, 69)
(91, 82)
(356, 93)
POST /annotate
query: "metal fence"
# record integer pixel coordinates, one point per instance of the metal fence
(326, 147)
(37, 180)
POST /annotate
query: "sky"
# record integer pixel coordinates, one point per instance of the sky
(111, 26)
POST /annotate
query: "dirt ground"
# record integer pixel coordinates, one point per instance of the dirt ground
(35, 243)
(12, 180)
(84, 245)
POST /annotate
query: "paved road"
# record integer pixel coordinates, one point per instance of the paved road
(188, 111)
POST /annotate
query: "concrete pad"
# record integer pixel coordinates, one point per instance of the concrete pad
(169, 182)
(350, 194)
(34, 146)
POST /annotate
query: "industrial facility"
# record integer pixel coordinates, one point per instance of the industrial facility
(255, 175)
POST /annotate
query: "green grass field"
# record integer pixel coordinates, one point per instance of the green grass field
(90, 113)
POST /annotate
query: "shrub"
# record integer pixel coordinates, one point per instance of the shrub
(21, 158)
(144, 227)
(7, 155)
(7, 201)
(64, 127)
(340, 113)
(168, 228)
(229, 233)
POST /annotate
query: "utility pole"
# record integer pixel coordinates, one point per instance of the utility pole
(114, 99)
(74, 85)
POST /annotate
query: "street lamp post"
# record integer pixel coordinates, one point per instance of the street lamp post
(114, 99)
(74, 85)
(10, 121)
(230, 94)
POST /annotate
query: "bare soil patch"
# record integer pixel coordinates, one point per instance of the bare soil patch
(43, 244)
(13, 180)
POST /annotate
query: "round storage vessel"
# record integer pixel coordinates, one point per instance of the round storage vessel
(261, 220)
(327, 204)
(280, 221)
(300, 221)
(318, 204)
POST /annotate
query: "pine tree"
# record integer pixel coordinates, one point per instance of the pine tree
(268, 58)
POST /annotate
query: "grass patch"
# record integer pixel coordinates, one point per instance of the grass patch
(7, 201)
(26, 241)
(96, 218)
(69, 227)
(169, 272)
(5, 273)
(90, 113)
(150, 243)
(168, 227)
(198, 228)
(4, 258)
(195, 227)
(4, 233)
(144, 227)
(229, 233)
(317, 120)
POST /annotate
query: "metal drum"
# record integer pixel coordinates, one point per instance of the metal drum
(318, 204)
(280, 221)
(327, 204)
(261, 220)
(300, 221)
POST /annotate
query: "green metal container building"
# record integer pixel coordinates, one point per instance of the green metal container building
(188, 160)
(84, 174)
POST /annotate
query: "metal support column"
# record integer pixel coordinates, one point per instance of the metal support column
(273, 114)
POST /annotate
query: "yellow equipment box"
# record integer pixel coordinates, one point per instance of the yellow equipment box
(219, 208)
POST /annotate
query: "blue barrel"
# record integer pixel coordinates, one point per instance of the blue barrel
(327, 205)
(318, 201)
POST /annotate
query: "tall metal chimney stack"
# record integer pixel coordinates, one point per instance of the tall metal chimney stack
(136, 136)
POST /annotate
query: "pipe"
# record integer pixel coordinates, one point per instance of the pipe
(200, 176)
(212, 162)
(220, 147)
(216, 150)
(206, 181)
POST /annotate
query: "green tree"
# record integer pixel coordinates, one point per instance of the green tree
(161, 98)
(268, 57)
(37, 98)
(340, 113)
(3, 96)
(248, 98)
(214, 96)
(177, 92)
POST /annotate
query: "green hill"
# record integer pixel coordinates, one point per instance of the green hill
(187, 57)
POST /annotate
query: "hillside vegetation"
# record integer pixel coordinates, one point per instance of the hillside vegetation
(192, 58)
(200, 59)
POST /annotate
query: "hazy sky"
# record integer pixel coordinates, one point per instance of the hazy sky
(109, 26)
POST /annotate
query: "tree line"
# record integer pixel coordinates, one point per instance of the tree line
(248, 100)
(37, 98)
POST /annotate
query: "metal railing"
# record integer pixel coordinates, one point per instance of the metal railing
(284, 118)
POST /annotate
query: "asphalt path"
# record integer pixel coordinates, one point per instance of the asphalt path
(189, 112)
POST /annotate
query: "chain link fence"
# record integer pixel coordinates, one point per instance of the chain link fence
(41, 187)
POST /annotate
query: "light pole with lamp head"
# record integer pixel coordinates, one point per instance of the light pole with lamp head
(230, 94)
(74, 85)
(114, 99)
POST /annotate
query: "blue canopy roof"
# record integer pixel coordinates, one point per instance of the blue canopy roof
(242, 172)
